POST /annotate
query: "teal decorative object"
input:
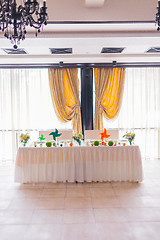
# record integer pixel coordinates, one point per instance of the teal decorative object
(55, 134)
(41, 138)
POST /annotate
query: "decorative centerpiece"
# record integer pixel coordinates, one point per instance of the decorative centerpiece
(78, 138)
(130, 137)
(24, 138)
(48, 144)
(96, 143)
(110, 143)
(104, 134)
(41, 138)
(55, 134)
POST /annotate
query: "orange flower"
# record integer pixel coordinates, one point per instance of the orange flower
(23, 138)
(71, 144)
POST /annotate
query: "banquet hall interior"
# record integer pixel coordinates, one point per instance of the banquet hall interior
(87, 73)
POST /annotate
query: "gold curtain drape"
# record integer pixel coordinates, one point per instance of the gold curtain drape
(109, 86)
(64, 86)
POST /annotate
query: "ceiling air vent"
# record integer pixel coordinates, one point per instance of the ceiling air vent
(153, 50)
(14, 51)
(61, 50)
(112, 50)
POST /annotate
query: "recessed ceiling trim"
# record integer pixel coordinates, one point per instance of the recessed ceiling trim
(12, 51)
(153, 50)
(61, 50)
(112, 50)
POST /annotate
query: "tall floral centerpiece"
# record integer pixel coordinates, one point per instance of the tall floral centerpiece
(24, 138)
(78, 138)
(130, 137)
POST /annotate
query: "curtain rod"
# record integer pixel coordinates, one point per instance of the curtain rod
(99, 22)
(84, 65)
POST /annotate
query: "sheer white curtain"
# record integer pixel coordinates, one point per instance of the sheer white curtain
(140, 110)
(25, 106)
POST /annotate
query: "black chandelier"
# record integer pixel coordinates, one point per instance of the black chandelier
(14, 18)
(158, 16)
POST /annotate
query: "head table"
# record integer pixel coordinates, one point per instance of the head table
(78, 163)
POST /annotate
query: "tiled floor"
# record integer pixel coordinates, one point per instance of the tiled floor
(109, 211)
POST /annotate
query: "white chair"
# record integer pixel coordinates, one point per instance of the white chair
(95, 134)
(92, 134)
(114, 133)
(66, 134)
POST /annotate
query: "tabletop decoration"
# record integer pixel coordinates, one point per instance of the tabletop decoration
(55, 134)
(104, 143)
(87, 143)
(41, 138)
(71, 144)
(110, 143)
(54, 144)
(104, 134)
(78, 138)
(24, 138)
(130, 137)
(96, 143)
(48, 144)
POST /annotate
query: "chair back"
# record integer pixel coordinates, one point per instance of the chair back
(92, 134)
(95, 134)
(66, 134)
(114, 133)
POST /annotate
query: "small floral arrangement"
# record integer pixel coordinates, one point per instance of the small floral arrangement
(24, 138)
(130, 137)
(78, 137)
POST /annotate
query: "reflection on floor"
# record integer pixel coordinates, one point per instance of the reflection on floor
(109, 211)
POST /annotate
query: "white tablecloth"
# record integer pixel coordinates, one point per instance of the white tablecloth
(61, 164)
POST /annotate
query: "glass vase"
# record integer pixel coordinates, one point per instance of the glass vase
(24, 144)
(130, 142)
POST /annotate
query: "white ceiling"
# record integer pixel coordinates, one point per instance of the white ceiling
(87, 40)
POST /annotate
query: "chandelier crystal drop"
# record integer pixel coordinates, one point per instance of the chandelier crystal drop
(158, 16)
(14, 18)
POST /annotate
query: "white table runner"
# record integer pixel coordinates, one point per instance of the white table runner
(61, 164)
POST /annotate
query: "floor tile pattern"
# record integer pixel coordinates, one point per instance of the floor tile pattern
(82, 211)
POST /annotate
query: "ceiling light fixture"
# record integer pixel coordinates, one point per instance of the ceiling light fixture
(14, 18)
(158, 16)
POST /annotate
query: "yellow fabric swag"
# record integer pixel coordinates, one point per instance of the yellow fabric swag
(64, 86)
(109, 86)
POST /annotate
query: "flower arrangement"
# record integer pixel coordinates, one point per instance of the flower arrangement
(130, 137)
(24, 138)
(78, 137)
